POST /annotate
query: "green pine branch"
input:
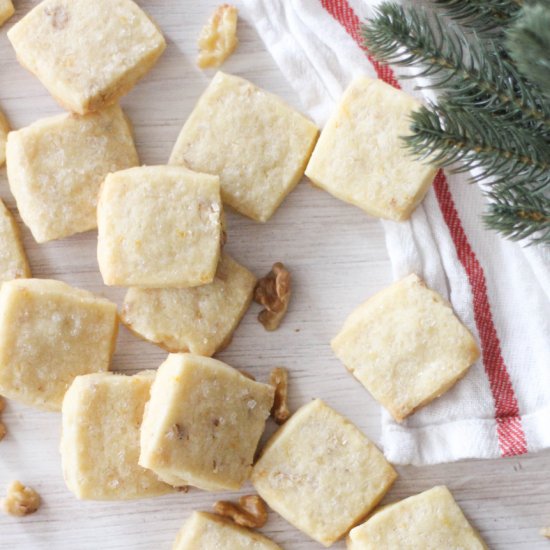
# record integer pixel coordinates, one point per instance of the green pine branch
(518, 214)
(506, 155)
(478, 74)
(481, 16)
(529, 45)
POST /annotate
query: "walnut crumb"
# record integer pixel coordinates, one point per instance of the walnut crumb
(21, 500)
(250, 512)
(273, 292)
(59, 17)
(218, 38)
(279, 379)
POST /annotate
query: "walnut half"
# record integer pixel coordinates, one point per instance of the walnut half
(218, 37)
(21, 500)
(250, 512)
(273, 292)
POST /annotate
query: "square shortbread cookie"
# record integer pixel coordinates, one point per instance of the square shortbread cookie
(360, 157)
(159, 226)
(102, 415)
(13, 260)
(321, 473)
(256, 144)
(6, 10)
(87, 53)
(49, 334)
(200, 319)
(431, 520)
(203, 531)
(406, 346)
(56, 167)
(203, 423)
(4, 129)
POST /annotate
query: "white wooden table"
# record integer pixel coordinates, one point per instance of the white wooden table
(337, 258)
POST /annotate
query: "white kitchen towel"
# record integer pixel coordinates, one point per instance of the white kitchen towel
(499, 289)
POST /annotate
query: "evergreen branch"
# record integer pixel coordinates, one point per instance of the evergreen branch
(518, 214)
(528, 43)
(507, 154)
(483, 78)
(482, 16)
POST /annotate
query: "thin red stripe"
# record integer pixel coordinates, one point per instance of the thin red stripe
(510, 432)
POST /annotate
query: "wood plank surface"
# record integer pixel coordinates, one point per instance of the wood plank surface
(337, 257)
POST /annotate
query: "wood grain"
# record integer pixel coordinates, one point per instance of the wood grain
(337, 257)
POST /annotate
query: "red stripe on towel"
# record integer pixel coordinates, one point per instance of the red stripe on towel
(510, 432)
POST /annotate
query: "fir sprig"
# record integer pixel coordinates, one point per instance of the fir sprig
(518, 214)
(478, 74)
(529, 45)
(492, 113)
(510, 156)
(482, 16)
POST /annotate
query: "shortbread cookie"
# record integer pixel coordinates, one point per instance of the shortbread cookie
(203, 423)
(13, 260)
(256, 144)
(203, 531)
(218, 38)
(201, 319)
(87, 53)
(49, 334)
(4, 129)
(102, 415)
(6, 10)
(406, 346)
(360, 157)
(321, 473)
(56, 166)
(159, 226)
(431, 520)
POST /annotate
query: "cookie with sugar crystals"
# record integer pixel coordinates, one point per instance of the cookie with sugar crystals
(406, 346)
(256, 143)
(57, 164)
(50, 333)
(360, 157)
(204, 531)
(159, 227)
(321, 473)
(102, 415)
(203, 423)
(88, 54)
(431, 520)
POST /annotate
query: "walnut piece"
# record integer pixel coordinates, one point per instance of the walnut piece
(279, 379)
(273, 292)
(250, 512)
(2, 404)
(218, 38)
(21, 500)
